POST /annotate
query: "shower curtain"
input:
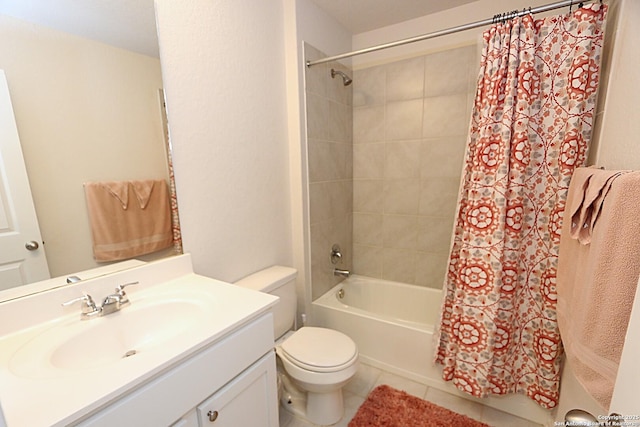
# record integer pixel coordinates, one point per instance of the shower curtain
(531, 126)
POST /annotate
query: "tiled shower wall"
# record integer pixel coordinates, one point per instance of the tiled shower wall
(410, 125)
(330, 154)
(385, 157)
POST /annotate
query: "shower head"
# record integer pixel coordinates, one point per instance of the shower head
(346, 80)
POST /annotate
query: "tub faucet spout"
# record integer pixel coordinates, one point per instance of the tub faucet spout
(341, 273)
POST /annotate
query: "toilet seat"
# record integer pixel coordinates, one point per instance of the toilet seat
(320, 349)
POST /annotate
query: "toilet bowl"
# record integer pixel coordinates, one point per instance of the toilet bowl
(320, 362)
(317, 362)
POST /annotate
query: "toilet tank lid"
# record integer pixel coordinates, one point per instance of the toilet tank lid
(268, 279)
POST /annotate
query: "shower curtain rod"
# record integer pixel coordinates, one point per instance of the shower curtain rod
(489, 21)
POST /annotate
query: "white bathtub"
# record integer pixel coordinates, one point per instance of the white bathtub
(392, 324)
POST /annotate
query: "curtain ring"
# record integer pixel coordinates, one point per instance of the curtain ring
(571, 7)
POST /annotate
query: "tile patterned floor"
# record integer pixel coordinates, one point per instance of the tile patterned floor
(369, 377)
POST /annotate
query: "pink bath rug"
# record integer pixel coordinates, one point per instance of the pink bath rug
(387, 407)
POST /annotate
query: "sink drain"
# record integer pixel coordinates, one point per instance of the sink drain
(129, 353)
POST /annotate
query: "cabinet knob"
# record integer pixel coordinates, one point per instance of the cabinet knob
(213, 415)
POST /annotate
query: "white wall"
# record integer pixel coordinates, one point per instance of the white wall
(85, 111)
(319, 29)
(617, 134)
(304, 22)
(224, 74)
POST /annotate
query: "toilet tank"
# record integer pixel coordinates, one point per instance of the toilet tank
(281, 282)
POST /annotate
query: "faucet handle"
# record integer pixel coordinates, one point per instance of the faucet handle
(336, 255)
(123, 295)
(85, 297)
(89, 307)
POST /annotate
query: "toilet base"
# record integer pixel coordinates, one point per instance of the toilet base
(295, 405)
(292, 399)
(319, 408)
(325, 408)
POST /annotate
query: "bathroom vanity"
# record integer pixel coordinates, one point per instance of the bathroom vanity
(185, 351)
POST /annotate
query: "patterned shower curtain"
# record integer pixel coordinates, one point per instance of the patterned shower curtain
(531, 126)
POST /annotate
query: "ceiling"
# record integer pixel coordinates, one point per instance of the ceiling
(130, 24)
(359, 16)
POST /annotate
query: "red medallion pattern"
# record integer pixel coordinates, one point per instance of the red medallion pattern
(531, 126)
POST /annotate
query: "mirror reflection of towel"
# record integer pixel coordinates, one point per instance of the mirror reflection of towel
(142, 190)
(119, 190)
(121, 229)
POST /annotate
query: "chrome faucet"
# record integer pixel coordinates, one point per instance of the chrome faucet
(117, 300)
(110, 304)
(341, 273)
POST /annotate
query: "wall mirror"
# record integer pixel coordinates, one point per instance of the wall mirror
(86, 89)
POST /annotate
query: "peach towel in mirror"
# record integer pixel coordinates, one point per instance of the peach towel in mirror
(125, 226)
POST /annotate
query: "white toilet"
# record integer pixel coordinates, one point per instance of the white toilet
(317, 362)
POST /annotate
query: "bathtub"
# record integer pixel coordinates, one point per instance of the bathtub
(392, 324)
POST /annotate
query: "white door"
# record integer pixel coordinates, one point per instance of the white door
(22, 257)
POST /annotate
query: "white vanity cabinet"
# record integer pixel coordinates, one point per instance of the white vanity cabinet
(234, 380)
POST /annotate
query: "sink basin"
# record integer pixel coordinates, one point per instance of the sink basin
(149, 325)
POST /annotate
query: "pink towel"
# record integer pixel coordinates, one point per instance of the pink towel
(121, 229)
(596, 283)
(599, 201)
(594, 185)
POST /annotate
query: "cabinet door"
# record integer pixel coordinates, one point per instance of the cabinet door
(189, 420)
(249, 400)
